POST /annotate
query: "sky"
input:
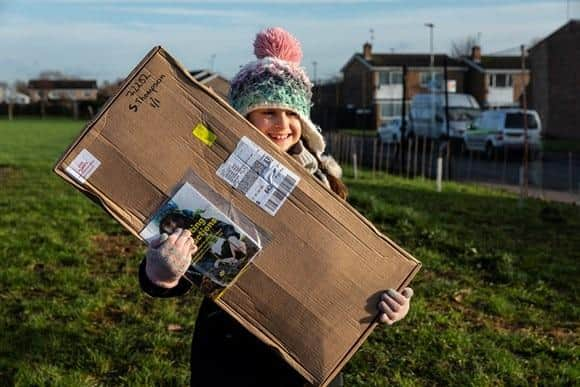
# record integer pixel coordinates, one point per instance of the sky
(105, 39)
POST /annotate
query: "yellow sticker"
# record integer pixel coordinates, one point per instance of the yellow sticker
(204, 134)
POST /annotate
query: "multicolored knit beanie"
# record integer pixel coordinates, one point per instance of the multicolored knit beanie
(276, 80)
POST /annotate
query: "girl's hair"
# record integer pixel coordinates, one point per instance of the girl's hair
(336, 184)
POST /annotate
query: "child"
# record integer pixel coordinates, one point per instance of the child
(274, 94)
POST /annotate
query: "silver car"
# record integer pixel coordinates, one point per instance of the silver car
(390, 132)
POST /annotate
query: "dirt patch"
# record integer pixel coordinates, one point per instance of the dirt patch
(114, 253)
(120, 246)
(7, 172)
(498, 324)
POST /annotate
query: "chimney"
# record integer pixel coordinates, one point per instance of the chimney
(367, 51)
(476, 54)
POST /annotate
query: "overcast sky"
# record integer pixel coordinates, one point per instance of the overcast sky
(105, 39)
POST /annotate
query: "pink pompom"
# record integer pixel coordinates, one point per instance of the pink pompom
(277, 42)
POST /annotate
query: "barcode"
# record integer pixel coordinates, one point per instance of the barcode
(230, 176)
(247, 181)
(249, 164)
(275, 200)
(287, 184)
(259, 167)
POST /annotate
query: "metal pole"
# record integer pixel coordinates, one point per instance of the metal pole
(448, 162)
(415, 156)
(505, 160)
(404, 136)
(430, 173)
(439, 173)
(570, 175)
(388, 157)
(380, 165)
(352, 149)
(432, 75)
(374, 156)
(410, 144)
(340, 146)
(362, 146)
(469, 165)
(423, 157)
(525, 103)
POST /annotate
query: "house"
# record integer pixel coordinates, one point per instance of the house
(327, 107)
(554, 62)
(15, 97)
(218, 83)
(3, 91)
(373, 82)
(75, 90)
(8, 95)
(496, 81)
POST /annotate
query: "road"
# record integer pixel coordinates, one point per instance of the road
(553, 171)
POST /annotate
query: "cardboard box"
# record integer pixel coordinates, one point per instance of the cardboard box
(312, 291)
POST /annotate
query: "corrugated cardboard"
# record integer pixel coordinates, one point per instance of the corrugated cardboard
(312, 292)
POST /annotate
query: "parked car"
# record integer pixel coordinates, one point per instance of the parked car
(390, 132)
(503, 128)
(429, 115)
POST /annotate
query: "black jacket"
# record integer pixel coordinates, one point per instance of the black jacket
(224, 353)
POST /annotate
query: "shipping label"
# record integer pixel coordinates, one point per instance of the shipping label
(83, 166)
(263, 179)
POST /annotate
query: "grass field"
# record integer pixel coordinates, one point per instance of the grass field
(496, 303)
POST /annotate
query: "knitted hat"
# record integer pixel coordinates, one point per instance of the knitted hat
(276, 80)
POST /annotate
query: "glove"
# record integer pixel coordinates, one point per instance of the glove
(394, 306)
(237, 245)
(169, 257)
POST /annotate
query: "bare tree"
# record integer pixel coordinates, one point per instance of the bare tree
(52, 74)
(21, 87)
(463, 46)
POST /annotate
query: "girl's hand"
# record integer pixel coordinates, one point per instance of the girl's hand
(237, 245)
(394, 306)
(169, 257)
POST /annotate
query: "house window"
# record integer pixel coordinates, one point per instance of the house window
(500, 80)
(390, 78)
(390, 109)
(426, 78)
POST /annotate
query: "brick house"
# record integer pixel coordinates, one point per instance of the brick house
(327, 106)
(75, 94)
(555, 61)
(62, 90)
(496, 81)
(218, 83)
(3, 91)
(373, 83)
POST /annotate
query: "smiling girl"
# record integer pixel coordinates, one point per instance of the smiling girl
(274, 94)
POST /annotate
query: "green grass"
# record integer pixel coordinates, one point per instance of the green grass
(496, 302)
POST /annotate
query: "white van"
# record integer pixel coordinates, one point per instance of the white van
(501, 128)
(428, 115)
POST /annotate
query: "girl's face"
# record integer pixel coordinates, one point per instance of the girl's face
(281, 126)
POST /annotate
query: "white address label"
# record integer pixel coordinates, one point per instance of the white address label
(83, 166)
(263, 180)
